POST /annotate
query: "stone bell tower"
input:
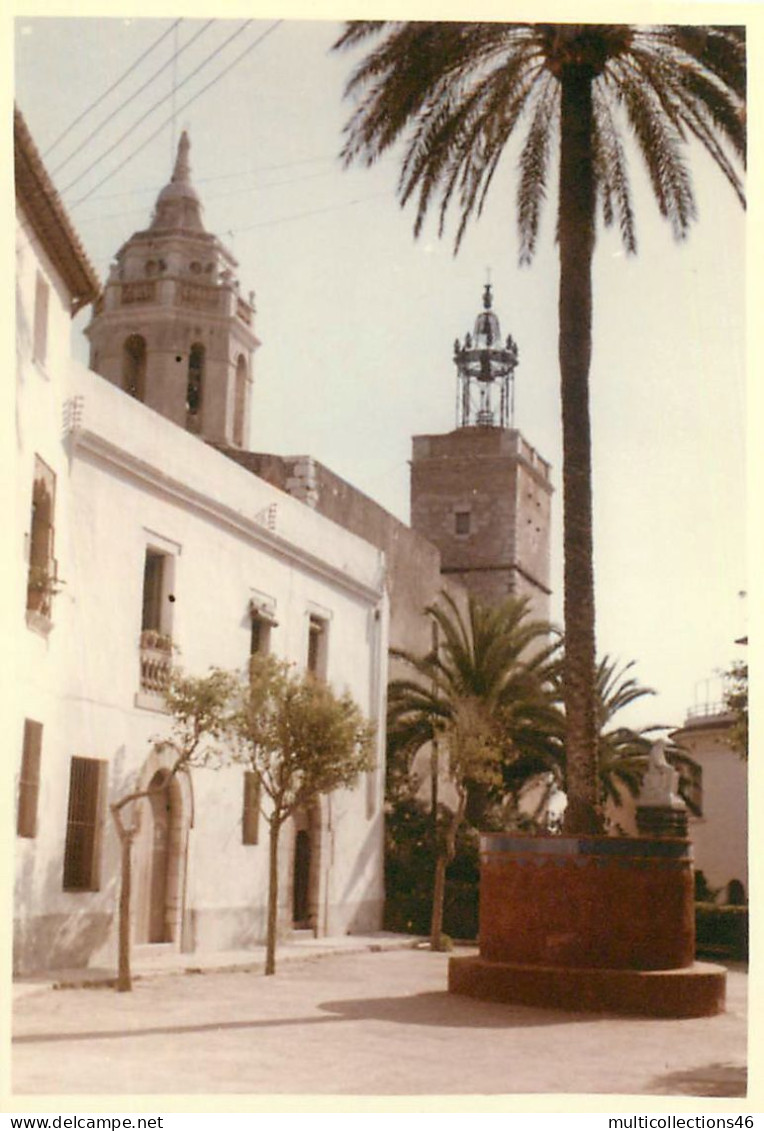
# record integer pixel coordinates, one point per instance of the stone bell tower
(171, 328)
(481, 493)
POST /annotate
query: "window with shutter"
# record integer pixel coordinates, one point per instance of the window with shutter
(81, 852)
(41, 302)
(250, 821)
(42, 577)
(29, 780)
(317, 647)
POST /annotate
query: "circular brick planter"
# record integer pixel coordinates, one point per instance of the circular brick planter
(580, 922)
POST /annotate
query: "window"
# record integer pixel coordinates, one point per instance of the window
(262, 611)
(317, 647)
(260, 638)
(42, 565)
(134, 367)
(156, 623)
(240, 402)
(195, 379)
(462, 523)
(250, 819)
(153, 591)
(29, 781)
(83, 824)
(41, 302)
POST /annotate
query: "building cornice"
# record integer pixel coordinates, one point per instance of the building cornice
(48, 218)
(257, 529)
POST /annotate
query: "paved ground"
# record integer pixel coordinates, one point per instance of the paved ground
(356, 1024)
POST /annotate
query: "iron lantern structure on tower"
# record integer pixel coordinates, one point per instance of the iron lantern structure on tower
(485, 373)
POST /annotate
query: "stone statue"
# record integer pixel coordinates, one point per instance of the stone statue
(660, 784)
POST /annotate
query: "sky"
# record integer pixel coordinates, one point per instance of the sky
(357, 319)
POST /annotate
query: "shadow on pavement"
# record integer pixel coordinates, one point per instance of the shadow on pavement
(449, 1010)
(435, 1008)
(711, 1080)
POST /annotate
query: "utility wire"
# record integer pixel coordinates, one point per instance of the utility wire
(221, 177)
(221, 195)
(114, 86)
(132, 98)
(151, 110)
(156, 133)
(313, 212)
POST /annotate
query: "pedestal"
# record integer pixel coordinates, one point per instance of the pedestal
(589, 923)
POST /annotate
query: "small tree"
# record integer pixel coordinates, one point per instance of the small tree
(302, 740)
(197, 705)
(736, 701)
(474, 748)
(484, 695)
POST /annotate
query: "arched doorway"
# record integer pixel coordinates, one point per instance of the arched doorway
(306, 868)
(161, 860)
(161, 820)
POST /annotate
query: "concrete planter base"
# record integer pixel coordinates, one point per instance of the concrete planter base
(595, 923)
(695, 991)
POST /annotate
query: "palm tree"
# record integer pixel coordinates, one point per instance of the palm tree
(623, 751)
(483, 694)
(457, 92)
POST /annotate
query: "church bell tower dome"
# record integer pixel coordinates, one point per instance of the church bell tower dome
(178, 205)
(171, 327)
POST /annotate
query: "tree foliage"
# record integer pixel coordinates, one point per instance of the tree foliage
(736, 701)
(302, 740)
(198, 707)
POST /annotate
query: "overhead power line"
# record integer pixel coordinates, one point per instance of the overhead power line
(237, 173)
(132, 98)
(160, 102)
(167, 121)
(113, 86)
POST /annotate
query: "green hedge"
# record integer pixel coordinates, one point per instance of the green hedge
(721, 931)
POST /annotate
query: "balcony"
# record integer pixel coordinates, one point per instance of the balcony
(156, 662)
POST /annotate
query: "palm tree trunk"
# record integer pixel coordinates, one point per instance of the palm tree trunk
(576, 223)
(273, 896)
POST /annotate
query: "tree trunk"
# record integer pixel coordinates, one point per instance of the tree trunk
(576, 225)
(444, 858)
(124, 976)
(273, 896)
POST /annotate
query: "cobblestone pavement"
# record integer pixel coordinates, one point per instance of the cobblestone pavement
(357, 1024)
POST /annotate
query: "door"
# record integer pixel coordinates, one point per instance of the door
(161, 806)
(301, 886)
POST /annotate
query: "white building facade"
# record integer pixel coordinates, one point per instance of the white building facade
(140, 546)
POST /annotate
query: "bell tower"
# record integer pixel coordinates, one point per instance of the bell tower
(171, 327)
(481, 493)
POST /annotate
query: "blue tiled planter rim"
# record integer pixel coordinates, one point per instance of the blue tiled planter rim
(495, 844)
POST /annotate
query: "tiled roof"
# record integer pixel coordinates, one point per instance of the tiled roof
(47, 215)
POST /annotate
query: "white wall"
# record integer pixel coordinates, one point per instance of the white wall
(128, 478)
